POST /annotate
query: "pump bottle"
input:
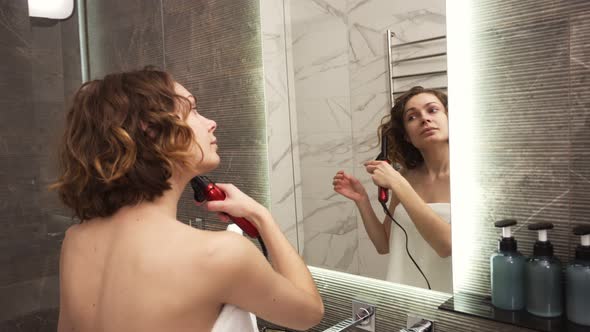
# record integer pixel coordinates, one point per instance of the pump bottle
(507, 271)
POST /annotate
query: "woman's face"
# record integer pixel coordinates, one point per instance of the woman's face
(203, 129)
(425, 120)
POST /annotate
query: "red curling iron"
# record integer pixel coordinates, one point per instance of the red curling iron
(205, 190)
(383, 192)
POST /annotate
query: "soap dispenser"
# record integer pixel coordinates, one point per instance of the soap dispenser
(543, 276)
(577, 277)
(507, 271)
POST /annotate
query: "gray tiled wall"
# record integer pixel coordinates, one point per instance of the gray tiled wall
(213, 49)
(531, 96)
(39, 65)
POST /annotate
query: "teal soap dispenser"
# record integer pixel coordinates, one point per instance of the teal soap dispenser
(507, 271)
(577, 277)
(543, 276)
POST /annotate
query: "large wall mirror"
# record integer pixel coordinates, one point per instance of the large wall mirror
(334, 67)
(334, 88)
(343, 70)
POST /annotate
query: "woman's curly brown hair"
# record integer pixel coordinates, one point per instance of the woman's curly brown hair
(399, 150)
(124, 135)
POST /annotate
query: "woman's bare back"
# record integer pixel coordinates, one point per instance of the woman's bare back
(134, 273)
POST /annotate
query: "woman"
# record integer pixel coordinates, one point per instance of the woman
(132, 142)
(418, 137)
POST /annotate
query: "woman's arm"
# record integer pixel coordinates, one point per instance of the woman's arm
(283, 293)
(378, 232)
(351, 188)
(435, 230)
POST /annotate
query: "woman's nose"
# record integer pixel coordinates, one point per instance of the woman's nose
(213, 125)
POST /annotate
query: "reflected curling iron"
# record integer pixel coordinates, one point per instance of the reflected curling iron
(383, 192)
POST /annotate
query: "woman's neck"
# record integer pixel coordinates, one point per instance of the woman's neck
(436, 160)
(163, 206)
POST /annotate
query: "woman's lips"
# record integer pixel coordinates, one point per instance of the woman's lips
(427, 131)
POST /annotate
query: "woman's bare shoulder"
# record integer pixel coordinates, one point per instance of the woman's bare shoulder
(74, 236)
(223, 250)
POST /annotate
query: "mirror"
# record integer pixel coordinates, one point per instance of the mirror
(334, 86)
(338, 89)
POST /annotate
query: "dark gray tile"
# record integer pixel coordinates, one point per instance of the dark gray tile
(70, 48)
(15, 28)
(580, 122)
(523, 124)
(15, 55)
(22, 303)
(124, 36)
(214, 49)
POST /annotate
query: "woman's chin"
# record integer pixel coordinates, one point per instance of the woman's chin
(214, 162)
(208, 164)
(430, 140)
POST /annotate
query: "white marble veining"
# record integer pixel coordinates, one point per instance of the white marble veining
(319, 48)
(334, 217)
(370, 77)
(365, 147)
(336, 252)
(283, 156)
(325, 149)
(328, 115)
(368, 111)
(282, 189)
(317, 183)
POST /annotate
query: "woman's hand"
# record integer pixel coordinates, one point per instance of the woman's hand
(383, 174)
(237, 204)
(349, 186)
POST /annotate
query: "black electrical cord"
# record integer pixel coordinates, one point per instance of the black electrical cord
(407, 250)
(262, 246)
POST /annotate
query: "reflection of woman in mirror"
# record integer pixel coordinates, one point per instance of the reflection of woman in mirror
(418, 137)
